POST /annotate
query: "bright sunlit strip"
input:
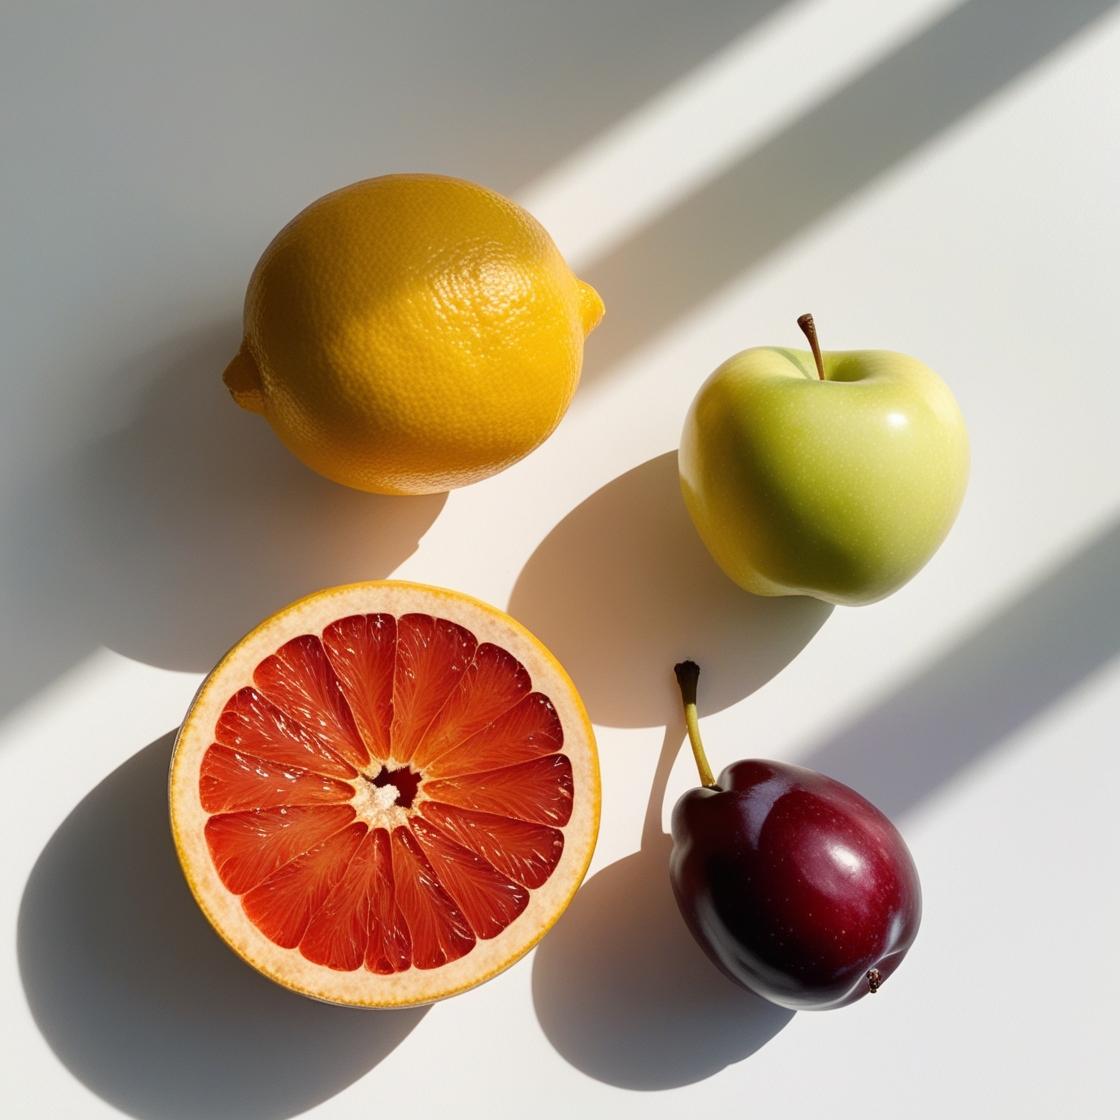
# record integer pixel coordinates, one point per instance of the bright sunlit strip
(701, 124)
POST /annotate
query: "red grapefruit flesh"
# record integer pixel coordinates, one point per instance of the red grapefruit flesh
(385, 794)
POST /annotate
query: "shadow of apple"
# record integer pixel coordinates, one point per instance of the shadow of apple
(623, 588)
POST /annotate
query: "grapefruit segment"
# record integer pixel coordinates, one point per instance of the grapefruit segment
(432, 655)
(248, 847)
(527, 853)
(231, 780)
(298, 679)
(439, 930)
(283, 905)
(390, 943)
(491, 685)
(385, 794)
(539, 791)
(338, 934)
(249, 723)
(528, 730)
(488, 900)
(362, 650)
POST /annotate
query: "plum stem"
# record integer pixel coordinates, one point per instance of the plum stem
(809, 328)
(688, 673)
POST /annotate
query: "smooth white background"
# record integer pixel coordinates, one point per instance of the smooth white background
(930, 176)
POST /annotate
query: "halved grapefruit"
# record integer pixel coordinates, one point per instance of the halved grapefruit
(385, 794)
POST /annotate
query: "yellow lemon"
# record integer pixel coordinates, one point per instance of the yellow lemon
(412, 333)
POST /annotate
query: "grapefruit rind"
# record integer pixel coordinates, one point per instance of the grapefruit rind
(414, 986)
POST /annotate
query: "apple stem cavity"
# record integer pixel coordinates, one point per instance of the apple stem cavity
(809, 328)
(688, 674)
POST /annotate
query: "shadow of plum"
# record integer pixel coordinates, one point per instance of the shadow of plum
(623, 991)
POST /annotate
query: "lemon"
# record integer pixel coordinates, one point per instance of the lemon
(412, 333)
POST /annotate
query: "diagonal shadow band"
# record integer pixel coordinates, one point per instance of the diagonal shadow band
(778, 190)
(1008, 669)
(511, 91)
(139, 997)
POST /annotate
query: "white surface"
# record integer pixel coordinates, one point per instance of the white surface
(940, 178)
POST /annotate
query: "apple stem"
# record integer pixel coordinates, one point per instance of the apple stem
(874, 980)
(805, 322)
(688, 673)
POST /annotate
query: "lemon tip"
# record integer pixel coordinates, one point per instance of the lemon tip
(591, 307)
(242, 378)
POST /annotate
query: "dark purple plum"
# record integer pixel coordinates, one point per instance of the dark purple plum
(794, 885)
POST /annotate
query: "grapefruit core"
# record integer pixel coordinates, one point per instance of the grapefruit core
(385, 794)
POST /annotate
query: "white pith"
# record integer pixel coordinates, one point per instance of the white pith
(377, 806)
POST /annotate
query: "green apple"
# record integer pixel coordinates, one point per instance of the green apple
(835, 475)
